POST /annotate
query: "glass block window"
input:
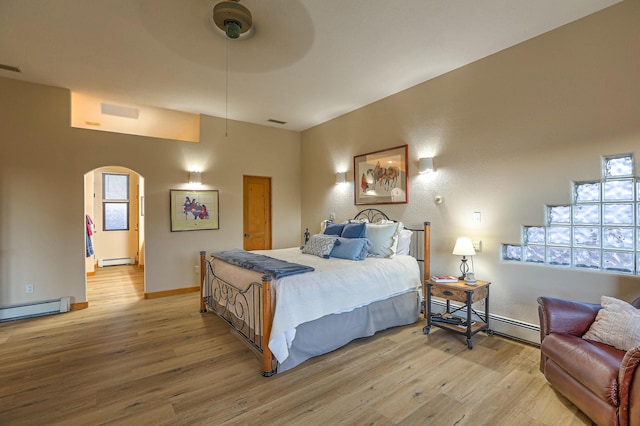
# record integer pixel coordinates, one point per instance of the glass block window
(600, 230)
(558, 214)
(585, 192)
(617, 166)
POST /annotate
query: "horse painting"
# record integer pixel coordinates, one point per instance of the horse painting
(198, 210)
(386, 177)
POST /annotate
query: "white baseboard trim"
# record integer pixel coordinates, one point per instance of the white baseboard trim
(508, 327)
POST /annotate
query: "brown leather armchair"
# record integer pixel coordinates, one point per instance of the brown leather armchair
(602, 381)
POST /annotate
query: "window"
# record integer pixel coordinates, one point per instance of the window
(115, 201)
(599, 230)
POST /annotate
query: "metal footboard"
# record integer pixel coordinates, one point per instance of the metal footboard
(247, 311)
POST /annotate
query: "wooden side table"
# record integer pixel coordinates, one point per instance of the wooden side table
(468, 295)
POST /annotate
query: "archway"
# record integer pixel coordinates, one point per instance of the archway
(114, 215)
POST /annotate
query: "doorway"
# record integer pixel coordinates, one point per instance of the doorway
(114, 214)
(256, 212)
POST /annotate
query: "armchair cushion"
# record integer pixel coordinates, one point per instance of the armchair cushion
(617, 324)
(573, 353)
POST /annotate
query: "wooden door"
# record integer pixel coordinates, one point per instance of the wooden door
(257, 213)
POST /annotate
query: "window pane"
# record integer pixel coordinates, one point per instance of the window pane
(559, 256)
(586, 214)
(587, 192)
(559, 214)
(116, 216)
(617, 166)
(584, 258)
(115, 186)
(617, 214)
(534, 235)
(534, 254)
(559, 235)
(619, 261)
(511, 252)
(618, 238)
(586, 236)
(618, 190)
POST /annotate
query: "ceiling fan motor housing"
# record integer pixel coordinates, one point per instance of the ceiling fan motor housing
(232, 18)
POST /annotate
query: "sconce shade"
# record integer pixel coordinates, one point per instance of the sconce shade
(194, 177)
(464, 247)
(341, 177)
(425, 165)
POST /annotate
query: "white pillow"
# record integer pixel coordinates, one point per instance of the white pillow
(404, 242)
(384, 239)
(617, 324)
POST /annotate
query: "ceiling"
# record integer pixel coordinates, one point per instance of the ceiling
(308, 61)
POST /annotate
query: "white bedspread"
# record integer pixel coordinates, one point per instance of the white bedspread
(336, 285)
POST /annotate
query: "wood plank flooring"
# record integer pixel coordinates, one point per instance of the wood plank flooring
(130, 361)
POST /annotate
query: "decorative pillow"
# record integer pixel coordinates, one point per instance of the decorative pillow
(333, 229)
(404, 242)
(617, 324)
(319, 245)
(351, 248)
(383, 239)
(354, 230)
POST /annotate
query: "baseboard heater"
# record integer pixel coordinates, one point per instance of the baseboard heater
(115, 261)
(508, 327)
(34, 309)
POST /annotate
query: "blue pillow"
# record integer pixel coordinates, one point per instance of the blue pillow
(354, 230)
(334, 229)
(351, 248)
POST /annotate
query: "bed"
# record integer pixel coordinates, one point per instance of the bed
(307, 302)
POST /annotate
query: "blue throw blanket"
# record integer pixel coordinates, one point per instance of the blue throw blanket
(261, 263)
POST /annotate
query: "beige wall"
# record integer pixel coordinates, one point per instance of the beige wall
(509, 134)
(42, 166)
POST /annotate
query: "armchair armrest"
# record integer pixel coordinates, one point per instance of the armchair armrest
(629, 387)
(565, 316)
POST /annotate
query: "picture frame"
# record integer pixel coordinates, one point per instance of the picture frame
(380, 177)
(194, 210)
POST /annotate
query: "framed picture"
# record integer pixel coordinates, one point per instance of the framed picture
(194, 210)
(380, 177)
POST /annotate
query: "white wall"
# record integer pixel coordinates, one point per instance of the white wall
(509, 134)
(42, 168)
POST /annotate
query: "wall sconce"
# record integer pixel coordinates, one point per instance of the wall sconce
(425, 165)
(341, 177)
(464, 248)
(194, 178)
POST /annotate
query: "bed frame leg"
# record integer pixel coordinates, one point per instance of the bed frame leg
(203, 307)
(427, 264)
(268, 369)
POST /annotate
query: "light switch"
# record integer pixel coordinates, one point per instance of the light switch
(477, 217)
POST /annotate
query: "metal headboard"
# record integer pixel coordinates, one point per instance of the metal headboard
(371, 215)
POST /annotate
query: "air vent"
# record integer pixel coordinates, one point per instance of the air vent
(119, 111)
(272, 120)
(10, 68)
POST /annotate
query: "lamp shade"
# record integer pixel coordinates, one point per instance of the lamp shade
(464, 247)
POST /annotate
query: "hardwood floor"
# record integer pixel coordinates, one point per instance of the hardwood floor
(126, 360)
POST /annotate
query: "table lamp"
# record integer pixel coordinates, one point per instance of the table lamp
(464, 248)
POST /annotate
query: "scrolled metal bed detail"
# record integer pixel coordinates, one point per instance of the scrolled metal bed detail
(248, 309)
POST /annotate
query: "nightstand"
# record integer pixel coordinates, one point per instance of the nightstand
(466, 294)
